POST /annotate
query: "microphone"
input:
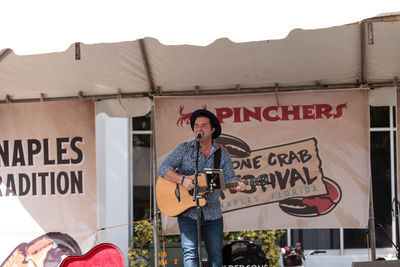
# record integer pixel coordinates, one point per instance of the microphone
(199, 135)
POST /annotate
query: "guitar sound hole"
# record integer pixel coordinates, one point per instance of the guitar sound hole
(177, 193)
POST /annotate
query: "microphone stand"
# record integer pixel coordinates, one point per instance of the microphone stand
(197, 198)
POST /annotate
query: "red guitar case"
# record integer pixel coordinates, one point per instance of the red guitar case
(101, 255)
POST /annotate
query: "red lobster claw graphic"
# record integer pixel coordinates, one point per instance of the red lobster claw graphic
(314, 206)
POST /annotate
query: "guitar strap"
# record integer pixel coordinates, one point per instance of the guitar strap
(217, 164)
(217, 158)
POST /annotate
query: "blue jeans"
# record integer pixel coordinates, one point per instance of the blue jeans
(212, 235)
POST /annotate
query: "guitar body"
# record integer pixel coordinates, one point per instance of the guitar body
(173, 199)
(101, 255)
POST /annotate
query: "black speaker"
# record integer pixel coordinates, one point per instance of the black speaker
(243, 253)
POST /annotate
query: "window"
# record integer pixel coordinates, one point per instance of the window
(316, 238)
(141, 162)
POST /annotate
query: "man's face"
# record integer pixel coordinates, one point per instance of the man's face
(203, 125)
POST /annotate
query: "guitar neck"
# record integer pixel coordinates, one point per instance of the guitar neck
(227, 186)
(234, 184)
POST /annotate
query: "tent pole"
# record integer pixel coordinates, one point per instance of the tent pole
(363, 77)
(5, 53)
(396, 175)
(362, 51)
(146, 65)
(371, 224)
(224, 91)
(153, 174)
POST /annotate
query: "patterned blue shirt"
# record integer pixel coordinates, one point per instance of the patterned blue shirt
(183, 160)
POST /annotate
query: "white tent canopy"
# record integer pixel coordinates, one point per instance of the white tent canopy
(43, 26)
(307, 59)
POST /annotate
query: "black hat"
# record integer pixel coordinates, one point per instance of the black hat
(213, 121)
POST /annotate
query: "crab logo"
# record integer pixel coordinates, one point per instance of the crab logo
(299, 204)
(185, 117)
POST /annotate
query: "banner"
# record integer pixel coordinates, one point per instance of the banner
(48, 184)
(306, 159)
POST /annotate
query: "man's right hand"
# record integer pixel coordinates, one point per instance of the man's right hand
(188, 183)
(173, 176)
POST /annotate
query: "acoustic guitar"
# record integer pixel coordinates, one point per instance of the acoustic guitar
(173, 199)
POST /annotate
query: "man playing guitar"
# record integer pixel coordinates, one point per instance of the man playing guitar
(181, 163)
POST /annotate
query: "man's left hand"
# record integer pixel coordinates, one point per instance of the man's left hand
(241, 186)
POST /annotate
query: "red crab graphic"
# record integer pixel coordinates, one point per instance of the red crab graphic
(185, 117)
